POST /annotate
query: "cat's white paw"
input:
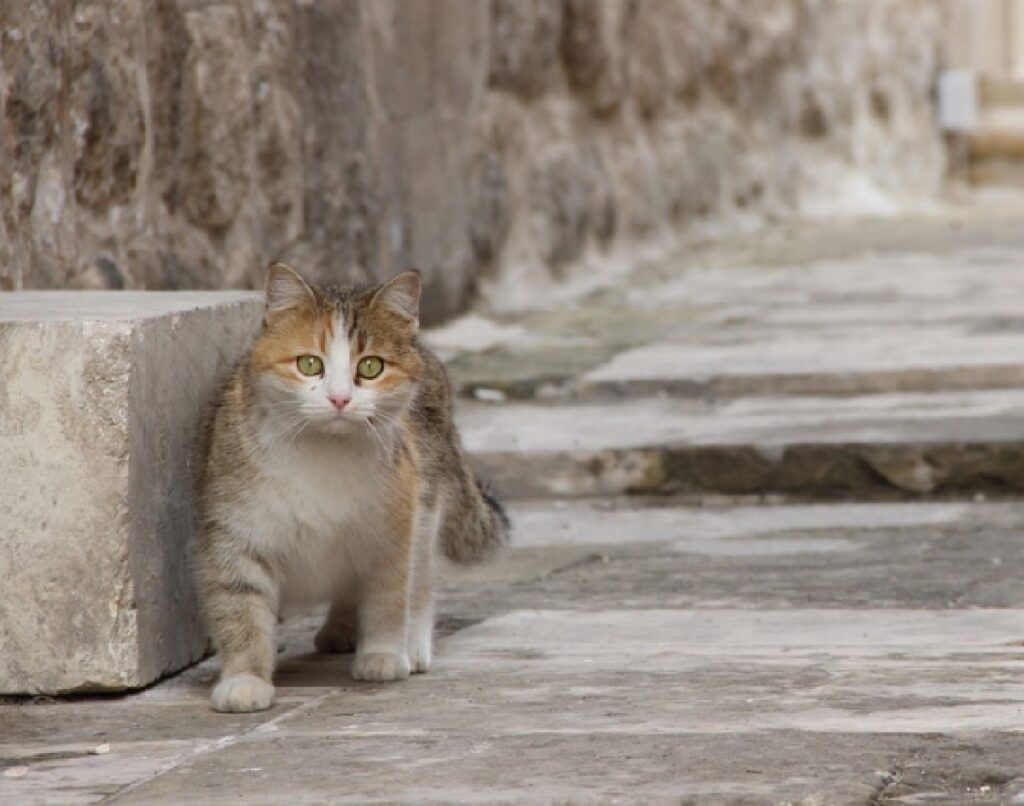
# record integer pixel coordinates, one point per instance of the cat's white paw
(420, 651)
(380, 666)
(242, 693)
(333, 638)
(419, 656)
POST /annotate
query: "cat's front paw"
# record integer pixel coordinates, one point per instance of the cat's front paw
(242, 693)
(380, 667)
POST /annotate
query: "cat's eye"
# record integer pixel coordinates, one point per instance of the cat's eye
(370, 367)
(310, 364)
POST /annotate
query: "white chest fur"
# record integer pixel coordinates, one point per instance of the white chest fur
(314, 511)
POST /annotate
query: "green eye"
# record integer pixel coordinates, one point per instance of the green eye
(310, 364)
(370, 367)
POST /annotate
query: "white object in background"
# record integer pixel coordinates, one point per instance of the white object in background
(958, 100)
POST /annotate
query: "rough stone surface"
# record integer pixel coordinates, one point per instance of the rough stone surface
(99, 417)
(495, 145)
(857, 653)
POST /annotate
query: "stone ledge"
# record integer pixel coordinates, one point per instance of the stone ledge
(824, 471)
(869, 447)
(99, 415)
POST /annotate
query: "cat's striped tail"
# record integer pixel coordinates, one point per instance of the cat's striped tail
(476, 525)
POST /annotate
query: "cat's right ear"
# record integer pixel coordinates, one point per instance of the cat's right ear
(285, 291)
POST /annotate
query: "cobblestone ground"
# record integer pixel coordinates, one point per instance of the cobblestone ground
(768, 550)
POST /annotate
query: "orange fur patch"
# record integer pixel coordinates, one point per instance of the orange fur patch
(291, 334)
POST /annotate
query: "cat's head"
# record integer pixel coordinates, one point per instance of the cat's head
(336, 358)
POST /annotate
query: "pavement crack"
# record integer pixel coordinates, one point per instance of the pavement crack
(219, 744)
(579, 562)
(447, 624)
(36, 758)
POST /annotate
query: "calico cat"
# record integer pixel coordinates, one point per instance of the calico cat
(333, 474)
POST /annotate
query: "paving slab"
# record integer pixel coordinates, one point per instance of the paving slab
(548, 769)
(621, 650)
(719, 529)
(678, 704)
(99, 415)
(839, 360)
(781, 556)
(862, 446)
(772, 422)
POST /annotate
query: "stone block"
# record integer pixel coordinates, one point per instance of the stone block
(100, 409)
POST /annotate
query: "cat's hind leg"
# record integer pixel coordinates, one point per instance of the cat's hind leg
(338, 633)
(420, 639)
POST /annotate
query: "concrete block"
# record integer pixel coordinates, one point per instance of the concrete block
(101, 395)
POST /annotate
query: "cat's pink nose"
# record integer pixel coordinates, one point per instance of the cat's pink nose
(339, 401)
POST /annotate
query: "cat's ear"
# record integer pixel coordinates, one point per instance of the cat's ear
(285, 290)
(401, 296)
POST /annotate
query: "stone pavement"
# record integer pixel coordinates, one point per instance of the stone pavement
(844, 641)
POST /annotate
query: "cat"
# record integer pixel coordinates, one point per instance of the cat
(333, 474)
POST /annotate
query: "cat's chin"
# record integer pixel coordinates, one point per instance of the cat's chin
(340, 425)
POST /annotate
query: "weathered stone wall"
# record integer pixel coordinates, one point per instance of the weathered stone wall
(187, 143)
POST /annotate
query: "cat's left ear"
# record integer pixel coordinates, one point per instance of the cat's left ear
(401, 296)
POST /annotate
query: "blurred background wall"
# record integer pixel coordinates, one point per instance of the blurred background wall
(985, 40)
(187, 143)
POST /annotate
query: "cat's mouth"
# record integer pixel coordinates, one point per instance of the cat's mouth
(336, 426)
(342, 421)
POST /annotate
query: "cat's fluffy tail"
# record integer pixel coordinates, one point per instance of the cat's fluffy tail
(476, 526)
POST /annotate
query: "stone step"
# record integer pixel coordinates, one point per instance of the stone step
(886, 445)
(872, 320)
(834, 361)
(99, 416)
